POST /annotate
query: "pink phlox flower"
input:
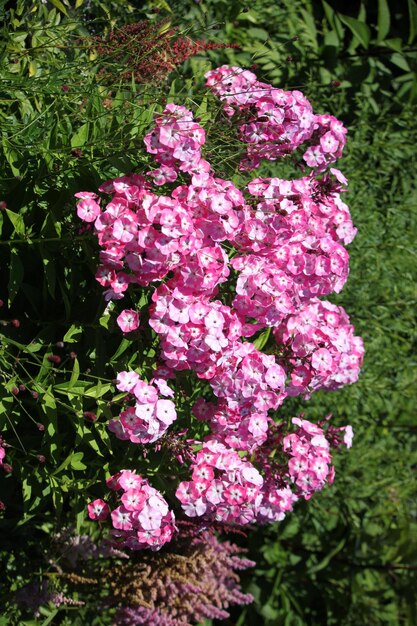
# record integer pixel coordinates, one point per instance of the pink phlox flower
(129, 480)
(133, 499)
(149, 517)
(98, 510)
(122, 518)
(165, 411)
(88, 209)
(126, 381)
(163, 388)
(145, 393)
(128, 320)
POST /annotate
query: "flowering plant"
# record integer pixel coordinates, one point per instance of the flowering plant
(222, 265)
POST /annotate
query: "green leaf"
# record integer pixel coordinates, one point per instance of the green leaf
(49, 408)
(124, 344)
(310, 27)
(16, 274)
(412, 12)
(384, 20)
(258, 33)
(63, 465)
(26, 491)
(269, 612)
(11, 157)
(80, 137)
(395, 44)
(50, 617)
(360, 30)
(331, 39)
(71, 334)
(98, 390)
(329, 12)
(261, 341)
(56, 492)
(400, 61)
(58, 4)
(84, 435)
(162, 4)
(75, 390)
(104, 320)
(33, 347)
(76, 463)
(333, 20)
(17, 221)
(75, 374)
(33, 68)
(105, 317)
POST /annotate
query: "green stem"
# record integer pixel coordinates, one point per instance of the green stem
(8, 242)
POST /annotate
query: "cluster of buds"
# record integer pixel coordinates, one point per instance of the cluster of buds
(150, 51)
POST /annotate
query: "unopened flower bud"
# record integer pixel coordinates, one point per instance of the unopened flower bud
(6, 467)
(40, 427)
(15, 323)
(41, 458)
(54, 358)
(89, 415)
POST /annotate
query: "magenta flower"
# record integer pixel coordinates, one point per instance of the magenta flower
(88, 210)
(128, 320)
(122, 518)
(98, 510)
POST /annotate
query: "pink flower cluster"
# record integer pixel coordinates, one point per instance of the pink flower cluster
(287, 238)
(276, 122)
(194, 331)
(309, 465)
(149, 418)
(176, 142)
(224, 486)
(294, 240)
(325, 354)
(143, 519)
